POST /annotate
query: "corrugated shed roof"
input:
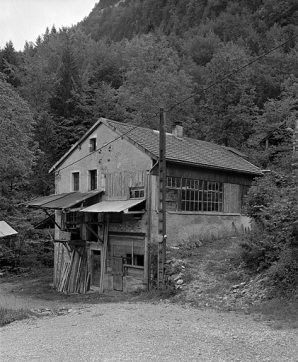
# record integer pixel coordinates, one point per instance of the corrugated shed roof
(113, 206)
(186, 150)
(61, 201)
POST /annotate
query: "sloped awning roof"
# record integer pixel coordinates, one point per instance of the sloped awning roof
(61, 201)
(6, 230)
(113, 206)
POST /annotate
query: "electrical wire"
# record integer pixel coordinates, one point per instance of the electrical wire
(115, 139)
(232, 73)
(187, 98)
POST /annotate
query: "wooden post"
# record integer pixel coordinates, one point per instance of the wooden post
(295, 147)
(104, 251)
(162, 202)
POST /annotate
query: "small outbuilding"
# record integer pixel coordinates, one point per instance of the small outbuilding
(6, 230)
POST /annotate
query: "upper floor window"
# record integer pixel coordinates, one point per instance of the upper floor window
(93, 180)
(75, 181)
(92, 144)
(137, 192)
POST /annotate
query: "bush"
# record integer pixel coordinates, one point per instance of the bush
(272, 245)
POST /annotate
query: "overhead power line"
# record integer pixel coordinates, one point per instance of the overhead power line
(107, 144)
(232, 73)
(188, 98)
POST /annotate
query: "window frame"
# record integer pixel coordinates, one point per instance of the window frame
(73, 181)
(90, 179)
(137, 192)
(92, 144)
(193, 195)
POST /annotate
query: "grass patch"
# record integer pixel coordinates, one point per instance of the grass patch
(9, 315)
(280, 312)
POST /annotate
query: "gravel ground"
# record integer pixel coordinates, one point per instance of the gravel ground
(146, 332)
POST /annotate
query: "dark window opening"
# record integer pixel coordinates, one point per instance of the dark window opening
(136, 259)
(76, 181)
(137, 192)
(116, 217)
(92, 145)
(72, 224)
(93, 179)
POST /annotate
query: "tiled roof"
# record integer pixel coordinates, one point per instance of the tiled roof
(186, 150)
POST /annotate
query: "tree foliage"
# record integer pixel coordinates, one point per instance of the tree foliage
(127, 59)
(273, 244)
(17, 151)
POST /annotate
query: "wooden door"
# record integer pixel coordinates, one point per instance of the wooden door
(96, 267)
(118, 273)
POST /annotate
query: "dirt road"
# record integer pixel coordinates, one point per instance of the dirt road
(145, 332)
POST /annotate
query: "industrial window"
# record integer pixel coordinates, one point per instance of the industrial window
(92, 144)
(75, 181)
(93, 180)
(194, 195)
(137, 192)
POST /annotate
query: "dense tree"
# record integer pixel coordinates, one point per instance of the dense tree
(228, 107)
(17, 151)
(9, 61)
(154, 79)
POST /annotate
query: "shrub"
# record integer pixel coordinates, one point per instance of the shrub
(272, 245)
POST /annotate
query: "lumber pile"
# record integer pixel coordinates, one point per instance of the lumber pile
(75, 276)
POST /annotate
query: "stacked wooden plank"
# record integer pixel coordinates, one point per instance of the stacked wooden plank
(118, 183)
(75, 276)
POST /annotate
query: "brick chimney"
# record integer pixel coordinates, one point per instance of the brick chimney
(177, 130)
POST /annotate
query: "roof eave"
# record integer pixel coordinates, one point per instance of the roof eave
(215, 167)
(73, 147)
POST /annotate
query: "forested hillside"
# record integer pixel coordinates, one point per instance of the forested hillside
(129, 58)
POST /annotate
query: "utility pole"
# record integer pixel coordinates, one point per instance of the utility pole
(295, 147)
(162, 202)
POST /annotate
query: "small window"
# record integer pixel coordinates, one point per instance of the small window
(93, 180)
(92, 144)
(137, 192)
(135, 259)
(75, 181)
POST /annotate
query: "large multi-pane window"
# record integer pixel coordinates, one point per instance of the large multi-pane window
(194, 195)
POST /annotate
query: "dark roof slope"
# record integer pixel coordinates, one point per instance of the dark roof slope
(186, 150)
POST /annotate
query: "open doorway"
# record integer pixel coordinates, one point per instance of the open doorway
(95, 267)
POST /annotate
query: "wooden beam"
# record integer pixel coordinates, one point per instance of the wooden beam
(92, 231)
(104, 252)
(51, 217)
(162, 202)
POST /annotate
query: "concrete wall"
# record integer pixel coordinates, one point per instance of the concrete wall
(181, 226)
(118, 156)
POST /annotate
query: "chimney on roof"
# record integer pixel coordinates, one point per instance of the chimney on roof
(177, 130)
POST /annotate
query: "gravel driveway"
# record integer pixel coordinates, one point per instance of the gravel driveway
(145, 332)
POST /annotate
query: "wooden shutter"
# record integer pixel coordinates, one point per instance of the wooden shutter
(232, 198)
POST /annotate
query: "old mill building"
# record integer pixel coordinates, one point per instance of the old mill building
(106, 202)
